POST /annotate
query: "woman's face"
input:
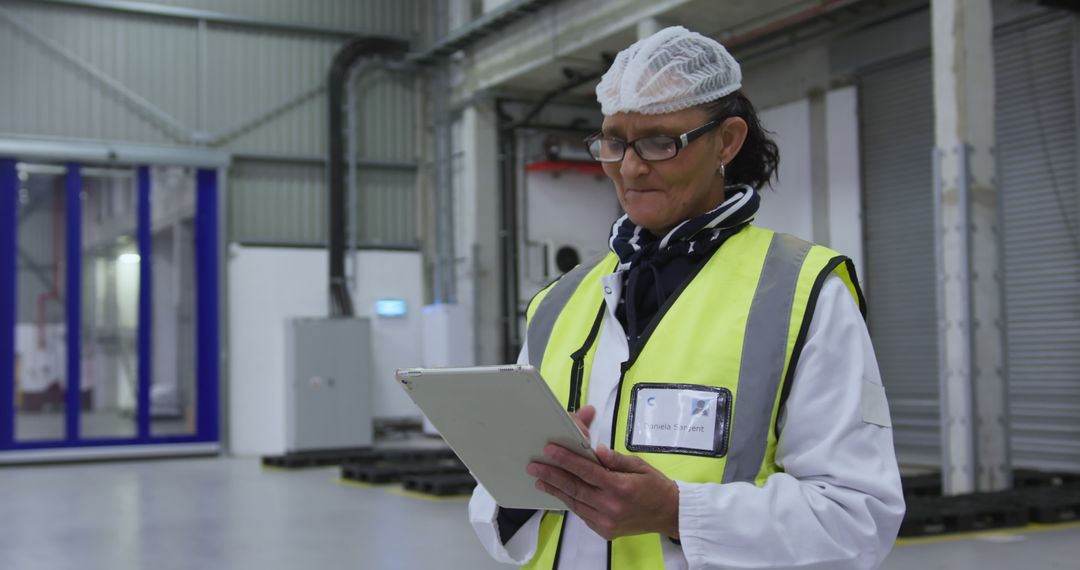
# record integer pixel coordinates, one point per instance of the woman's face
(659, 195)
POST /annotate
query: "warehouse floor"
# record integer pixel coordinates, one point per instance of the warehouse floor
(231, 513)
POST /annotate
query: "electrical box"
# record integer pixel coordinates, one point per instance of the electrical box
(328, 398)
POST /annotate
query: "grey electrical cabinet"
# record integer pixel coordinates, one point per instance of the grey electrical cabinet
(328, 384)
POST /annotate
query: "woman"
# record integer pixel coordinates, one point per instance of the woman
(730, 388)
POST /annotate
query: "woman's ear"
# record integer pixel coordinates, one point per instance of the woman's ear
(732, 136)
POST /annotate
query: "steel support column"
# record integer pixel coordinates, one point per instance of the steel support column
(973, 391)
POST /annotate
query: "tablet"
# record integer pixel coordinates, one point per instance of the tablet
(497, 419)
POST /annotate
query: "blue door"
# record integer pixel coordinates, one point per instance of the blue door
(108, 306)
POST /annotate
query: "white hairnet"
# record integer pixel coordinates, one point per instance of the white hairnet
(668, 71)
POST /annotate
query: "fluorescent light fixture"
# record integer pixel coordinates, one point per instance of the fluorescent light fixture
(391, 307)
(129, 258)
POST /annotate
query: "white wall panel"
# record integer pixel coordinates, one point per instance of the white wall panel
(788, 207)
(268, 286)
(568, 209)
(845, 190)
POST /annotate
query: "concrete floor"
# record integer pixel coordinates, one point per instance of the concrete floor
(232, 514)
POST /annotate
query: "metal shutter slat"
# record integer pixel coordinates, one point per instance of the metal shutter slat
(1042, 266)
(896, 138)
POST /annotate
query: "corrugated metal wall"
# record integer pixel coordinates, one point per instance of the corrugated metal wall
(42, 93)
(897, 138)
(252, 74)
(264, 94)
(365, 16)
(1037, 142)
(389, 125)
(278, 202)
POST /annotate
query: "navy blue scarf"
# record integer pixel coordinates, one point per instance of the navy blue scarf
(655, 267)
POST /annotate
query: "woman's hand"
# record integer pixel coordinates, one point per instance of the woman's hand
(583, 418)
(621, 496)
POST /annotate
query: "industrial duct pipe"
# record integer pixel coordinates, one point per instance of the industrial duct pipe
(363, 47)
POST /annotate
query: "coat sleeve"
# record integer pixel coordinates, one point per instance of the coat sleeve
(838, 503)
(483, 516)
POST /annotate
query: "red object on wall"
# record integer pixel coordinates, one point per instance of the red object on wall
(560, 166)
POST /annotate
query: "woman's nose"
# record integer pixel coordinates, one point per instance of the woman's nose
(632, 165)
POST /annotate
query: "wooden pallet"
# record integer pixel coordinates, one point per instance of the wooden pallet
(440, 485)
(396, 472)
(363, 456)
(962, 513)
(928, 485)
(1051, 505)
(317, 458)
(1030, 478)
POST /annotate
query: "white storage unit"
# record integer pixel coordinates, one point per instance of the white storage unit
(328, 385)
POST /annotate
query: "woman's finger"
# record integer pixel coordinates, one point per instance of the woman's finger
(581, 509)
(623, 463)
(565, 481)
(584, 418)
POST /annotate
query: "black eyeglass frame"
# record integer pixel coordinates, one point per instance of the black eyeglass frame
(680, 142)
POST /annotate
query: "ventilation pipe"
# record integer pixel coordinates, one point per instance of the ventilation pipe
(354, 51)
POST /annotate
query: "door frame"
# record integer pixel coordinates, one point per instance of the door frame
(211, 169)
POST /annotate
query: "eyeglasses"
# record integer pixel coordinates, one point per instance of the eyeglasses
(653, 148)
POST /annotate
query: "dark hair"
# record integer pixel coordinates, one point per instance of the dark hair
(756, 163)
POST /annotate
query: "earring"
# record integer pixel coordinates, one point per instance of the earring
(723, 174)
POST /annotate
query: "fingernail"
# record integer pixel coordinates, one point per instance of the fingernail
(533, 470)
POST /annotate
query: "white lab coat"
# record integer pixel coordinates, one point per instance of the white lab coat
(837, 505)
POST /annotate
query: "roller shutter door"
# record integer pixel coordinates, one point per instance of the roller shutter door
(1037, 146)
(896, 139)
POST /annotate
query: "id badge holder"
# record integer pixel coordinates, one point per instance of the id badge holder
(687, 419)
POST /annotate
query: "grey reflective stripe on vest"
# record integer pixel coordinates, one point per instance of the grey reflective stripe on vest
(763, 358)
(543, 320)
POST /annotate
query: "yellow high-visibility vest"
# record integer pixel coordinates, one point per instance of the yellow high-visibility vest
(736, 329)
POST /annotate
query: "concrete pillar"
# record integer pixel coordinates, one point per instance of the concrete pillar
(477, 230)
(975, 449)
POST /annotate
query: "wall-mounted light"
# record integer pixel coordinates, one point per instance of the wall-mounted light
(391, 307)
(129, 258)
